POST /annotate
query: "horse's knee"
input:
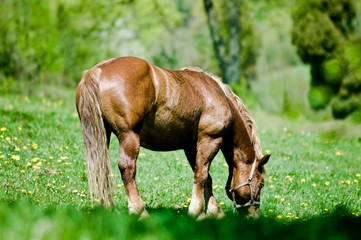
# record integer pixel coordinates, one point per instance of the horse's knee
(125, 163)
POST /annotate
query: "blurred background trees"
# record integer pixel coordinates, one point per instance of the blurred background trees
(326, 36)
(282, 53)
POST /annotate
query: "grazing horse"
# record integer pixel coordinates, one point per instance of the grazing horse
(162, 110)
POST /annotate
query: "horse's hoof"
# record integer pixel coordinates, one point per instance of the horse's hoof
(201, 216)
(144, 215)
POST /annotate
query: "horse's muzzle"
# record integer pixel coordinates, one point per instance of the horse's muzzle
(252, 212)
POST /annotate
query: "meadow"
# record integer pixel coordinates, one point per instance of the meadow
(312, 185)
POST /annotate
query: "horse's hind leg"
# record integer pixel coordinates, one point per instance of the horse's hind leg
(129, 149)
(200, 161)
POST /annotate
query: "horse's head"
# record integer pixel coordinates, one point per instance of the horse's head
(244, 189)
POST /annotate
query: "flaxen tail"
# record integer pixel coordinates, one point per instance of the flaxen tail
(98, 164)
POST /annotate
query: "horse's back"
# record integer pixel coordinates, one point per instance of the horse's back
(168, 109)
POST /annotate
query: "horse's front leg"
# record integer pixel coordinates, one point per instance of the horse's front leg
(212, 208)
(207, 149)
(129, 150)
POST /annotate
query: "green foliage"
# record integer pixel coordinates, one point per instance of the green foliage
(319, 96)
(325, 37)
(314, 34)
(24, 221)
(51, 42)
(331, 70)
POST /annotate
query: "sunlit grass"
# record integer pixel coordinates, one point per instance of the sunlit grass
(41, 161)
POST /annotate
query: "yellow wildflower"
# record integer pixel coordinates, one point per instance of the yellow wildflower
(314, 184)
(3, 129)
(327, 183)
(189, 199)
(303, 180)
(17, 149)
(15, 157)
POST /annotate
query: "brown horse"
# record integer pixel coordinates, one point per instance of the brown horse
(162, 110)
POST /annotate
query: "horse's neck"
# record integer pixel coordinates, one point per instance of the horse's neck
(242, 140)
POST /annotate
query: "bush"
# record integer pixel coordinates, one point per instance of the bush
(325, 37)
(332, 72)
(319, 97)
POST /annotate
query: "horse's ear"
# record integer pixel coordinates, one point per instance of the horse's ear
(264, 160)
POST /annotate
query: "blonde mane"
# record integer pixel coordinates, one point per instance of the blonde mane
(241, 106)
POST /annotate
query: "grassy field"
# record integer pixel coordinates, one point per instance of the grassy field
(313, 177)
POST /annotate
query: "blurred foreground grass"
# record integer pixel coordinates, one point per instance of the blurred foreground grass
(22, 220)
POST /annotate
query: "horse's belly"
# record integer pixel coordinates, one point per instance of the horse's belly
(168, 133)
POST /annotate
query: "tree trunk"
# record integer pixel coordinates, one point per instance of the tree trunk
(218, 42)
(234, 64)
(228, 61)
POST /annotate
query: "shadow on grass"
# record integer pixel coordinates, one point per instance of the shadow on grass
(24, 221)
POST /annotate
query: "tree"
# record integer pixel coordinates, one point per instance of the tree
(325, 37)
(229, 62)
(228, 31)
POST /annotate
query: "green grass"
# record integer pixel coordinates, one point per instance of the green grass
(311, 175)
(24, 221)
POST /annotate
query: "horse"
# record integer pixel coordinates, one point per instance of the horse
(162, 110)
